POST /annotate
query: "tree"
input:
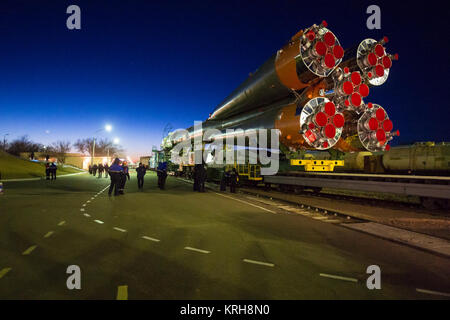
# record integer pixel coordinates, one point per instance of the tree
(23, 144)
(60, 149)
(102, 147)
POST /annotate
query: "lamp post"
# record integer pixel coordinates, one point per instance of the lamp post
(107, 128)
(4, 140)
(115, 141)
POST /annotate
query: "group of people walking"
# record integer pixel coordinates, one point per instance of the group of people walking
(100, 168)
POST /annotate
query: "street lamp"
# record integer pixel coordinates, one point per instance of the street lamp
(4, 140)
(107, 128)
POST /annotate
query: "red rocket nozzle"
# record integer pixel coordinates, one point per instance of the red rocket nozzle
(330, 109)
(325, 144)
(372, 59)
(388, 125)
(380, 114)
(373, 124)
(311, 125)
(321, 48)
(364, 90)
(381, 135)
(329, 39)
(356, 99)
(379, 50)
(329, 61)
(370, 105)
(396, 56)
(330, 131)
(379, 70)
(311, 35)
(387, 62)
(347, 87)
(338, 52)
(324, 24)
(356, 78)
(339, 120)
(385, 39)
(321, 119)
(346, 70)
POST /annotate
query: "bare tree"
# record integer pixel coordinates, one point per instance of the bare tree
(24, 144)
(103, 147)
(60, 149)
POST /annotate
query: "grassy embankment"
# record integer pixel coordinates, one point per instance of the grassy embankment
(12, 167)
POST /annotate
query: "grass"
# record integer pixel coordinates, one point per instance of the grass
(12, 167)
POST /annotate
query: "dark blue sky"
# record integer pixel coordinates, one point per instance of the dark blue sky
(142, 64)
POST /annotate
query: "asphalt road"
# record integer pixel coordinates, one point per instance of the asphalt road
(177, 244)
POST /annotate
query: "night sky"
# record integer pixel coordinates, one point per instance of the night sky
(142, 64)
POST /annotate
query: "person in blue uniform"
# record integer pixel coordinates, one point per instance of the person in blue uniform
(124, 177)
(53, 169)
(116, 173)
(162, 175)
(141, 170)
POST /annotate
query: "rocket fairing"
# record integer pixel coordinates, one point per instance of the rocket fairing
(314, 93)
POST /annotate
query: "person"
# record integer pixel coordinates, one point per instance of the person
(47, 171)
(162, 174)
(90, 169)
(106, 167)
(196, 177)
(224, 180)
(116, 173)
(234, 178)
(94, 170)
(202, 178)
(141, 170)
(124, 177)
(53, 169)
(100, 170)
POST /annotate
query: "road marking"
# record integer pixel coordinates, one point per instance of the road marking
(320, 218)
(61, 223)
(29, 250)
(88, 201)
(118, 229)
(122, 293)
(251, 204)
(338, 277)
(436, 293)
(48, 234)
(4, 271)
(151, 239)
(259, 263)
(92, 198)
(84, 205)
(197, 250)
(87, 215)
(99, 221)
(82, 210)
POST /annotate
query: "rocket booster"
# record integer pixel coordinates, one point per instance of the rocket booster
(314, 93)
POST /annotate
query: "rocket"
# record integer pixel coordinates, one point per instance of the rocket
(315, 93)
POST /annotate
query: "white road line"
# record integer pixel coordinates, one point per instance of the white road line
(338, 277)
(82, 210)
(320, 218)
(436, 293)
(87, 215)
(151, 239)
(88, 201)
(84, 205)
(92, 198)
(267, 264)
(48, 234)
(61, 223)
(29, 250)
(196, 250)
(332, 221)
(251, 204)
(99, 221)
(122, 293)
(4, 271)
(119, 229)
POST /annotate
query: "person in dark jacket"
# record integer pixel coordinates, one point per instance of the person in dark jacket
(162, 175)
(100, 170)
(234, 178)
(94, 170)
(106, 170)
(141, 170)
(202, 178)
(90, 169)
(53, 169)
(47, 171)
(197, 177)
(224, 180)
(124, 177)
(116, 173)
